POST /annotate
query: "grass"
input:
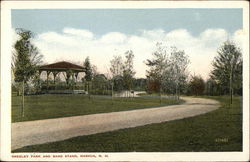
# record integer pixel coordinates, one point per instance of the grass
(220, 130)
(54, 106)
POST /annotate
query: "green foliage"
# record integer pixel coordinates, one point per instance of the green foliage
(196, 86)
(99, 84)
(128, 71)
(228, 62)
(157, 65)
(122, 72)
(140, 84)
(88, 70)
(36, 83)
(118, 83)
(212, 88)
(26, 57)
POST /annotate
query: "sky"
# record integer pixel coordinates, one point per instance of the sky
(74, 34)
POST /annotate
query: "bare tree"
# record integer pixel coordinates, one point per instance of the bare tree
(128, 70)
(179, 62)
(116, 66)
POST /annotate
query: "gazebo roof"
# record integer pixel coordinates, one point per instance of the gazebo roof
(61, 66)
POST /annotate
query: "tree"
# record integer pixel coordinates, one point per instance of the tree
(116, 69)
(179, 62)
(94, 71)
(197, 85)
(117, 66)
(87, 70)
(227, 68)
(167, 71)
(211, 87)
(100, 83)
(128, 71)
(140, 84)
(118, 83)
(88, 73)
(158, 65)
(26, 59)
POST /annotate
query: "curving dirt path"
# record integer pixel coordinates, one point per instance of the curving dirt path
(50, 130)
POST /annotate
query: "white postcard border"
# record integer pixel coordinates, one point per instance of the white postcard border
(6, 7)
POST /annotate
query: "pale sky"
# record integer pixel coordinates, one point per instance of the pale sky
(72, 35)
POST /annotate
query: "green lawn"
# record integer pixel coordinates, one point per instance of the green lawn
(220, 130)
(54, 106)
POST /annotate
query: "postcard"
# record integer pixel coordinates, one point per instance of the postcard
(124, 81)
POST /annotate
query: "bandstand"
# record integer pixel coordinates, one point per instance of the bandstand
(70, 70)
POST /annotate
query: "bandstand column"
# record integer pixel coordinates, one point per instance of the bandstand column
(48, 72)
(39, 74)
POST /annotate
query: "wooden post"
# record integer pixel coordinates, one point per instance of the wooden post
(39, 82)
(54, 75)
(76, 76)
(48, 72)
(112, 92)
(73, 81)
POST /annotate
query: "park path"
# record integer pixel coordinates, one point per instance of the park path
(50, 130)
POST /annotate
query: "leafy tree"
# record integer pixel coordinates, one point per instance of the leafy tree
(197, 85)
(153, 82)
(158, 65)
(227, 68)
(100, 83)
(88, 70)
(118, 83)
(26, 59)
(211, 87)
(88, 73)
(36, 82)
(128, 71)
(140, 84)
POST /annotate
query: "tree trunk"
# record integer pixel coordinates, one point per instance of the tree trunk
(176, 91)
(231, 95)
(231, 89)
(23, 101)
(89, 90)
(160, 95)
